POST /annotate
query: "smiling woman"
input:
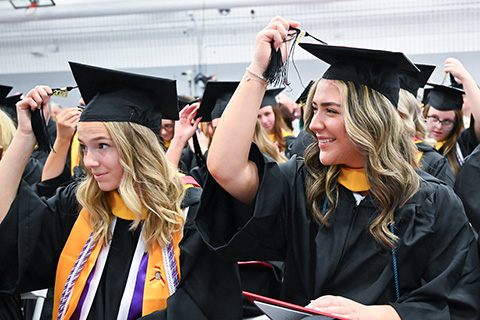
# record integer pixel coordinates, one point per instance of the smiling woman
(116, 235)
(351, 220)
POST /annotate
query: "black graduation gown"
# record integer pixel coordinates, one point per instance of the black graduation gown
(467, 184)
(467, 140)
(35, 230)
(435, 164)
(303, 140)
(438, 263)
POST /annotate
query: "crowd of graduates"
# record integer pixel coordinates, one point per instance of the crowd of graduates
(357, 199)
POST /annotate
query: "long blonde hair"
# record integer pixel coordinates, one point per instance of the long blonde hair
(375, 127)
(449, 148)
(265, 144)
(7, 130)
(148, 181)
(411, 113)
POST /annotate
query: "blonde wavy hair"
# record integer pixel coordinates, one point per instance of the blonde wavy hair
(375, 127)
(411, 113)
(7, 130)
(265, 144)
(148, 181)
(449, 148)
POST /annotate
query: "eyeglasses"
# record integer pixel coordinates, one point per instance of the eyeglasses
(446, 124)
(167, 126)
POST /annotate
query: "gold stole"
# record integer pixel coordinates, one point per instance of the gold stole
(285, 133)
(155, 292)
(353, 179)
(419, 153)
(74, 156)
(440, 144)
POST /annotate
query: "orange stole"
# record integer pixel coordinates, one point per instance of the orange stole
(155, 292)
(74, 156)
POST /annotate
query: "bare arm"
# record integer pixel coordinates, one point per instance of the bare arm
(228, 154)
(66, 123)
(472, 91)
(184, 130)
(15, 159)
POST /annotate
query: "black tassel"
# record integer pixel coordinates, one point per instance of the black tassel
(276, 69)
(198, 151)
(40, 130)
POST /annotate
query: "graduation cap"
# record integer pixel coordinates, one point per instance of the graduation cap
(302, 99)
(9, 105)
(454, 83)
(444, 98)
(269, 99)
(4, 90)
(412, 81)
(117, 96)
(183, 101)
(215, 98)
(375, 69)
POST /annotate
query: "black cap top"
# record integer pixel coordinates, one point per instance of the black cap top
(302, 99)
(269, 99)
(116, 96)
(215, 98)
(412, 81)
(374, 68)
(183, 101)
(444, 98)
(9, 105)
(4, 90)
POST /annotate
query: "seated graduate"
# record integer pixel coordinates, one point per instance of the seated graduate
(271, 119)
(443, 110)
(410, 111)
(115, 236)
(363, 234)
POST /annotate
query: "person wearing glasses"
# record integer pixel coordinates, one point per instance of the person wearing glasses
(443, 111)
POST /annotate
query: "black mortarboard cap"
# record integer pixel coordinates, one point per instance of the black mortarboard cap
(117, 96)
(302, 99)
(376, 69)
(412, 81)
(4, 90)
(183, 101)
(269, 99)
(9, 105)
(215, 98)
(454, 83)
(444, 98)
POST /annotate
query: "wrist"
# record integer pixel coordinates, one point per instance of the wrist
(251, 75)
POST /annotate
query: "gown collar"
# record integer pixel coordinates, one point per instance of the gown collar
(353, 179)
(120, 209)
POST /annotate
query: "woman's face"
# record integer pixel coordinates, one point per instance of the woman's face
(267, 118)
(328, 124)
(100, 155)
(168, 130)
(440, 123)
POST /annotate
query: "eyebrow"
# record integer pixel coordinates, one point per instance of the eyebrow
(327, 104)
(97, 138)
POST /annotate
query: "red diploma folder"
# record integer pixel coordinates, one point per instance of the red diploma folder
(280, 310)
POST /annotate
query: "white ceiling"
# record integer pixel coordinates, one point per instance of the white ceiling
(155, 33)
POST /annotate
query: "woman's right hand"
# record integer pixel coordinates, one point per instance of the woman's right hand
(32, 101)
(275, 31)
(66, 123)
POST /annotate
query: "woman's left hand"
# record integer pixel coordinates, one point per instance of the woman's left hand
(349, 309)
